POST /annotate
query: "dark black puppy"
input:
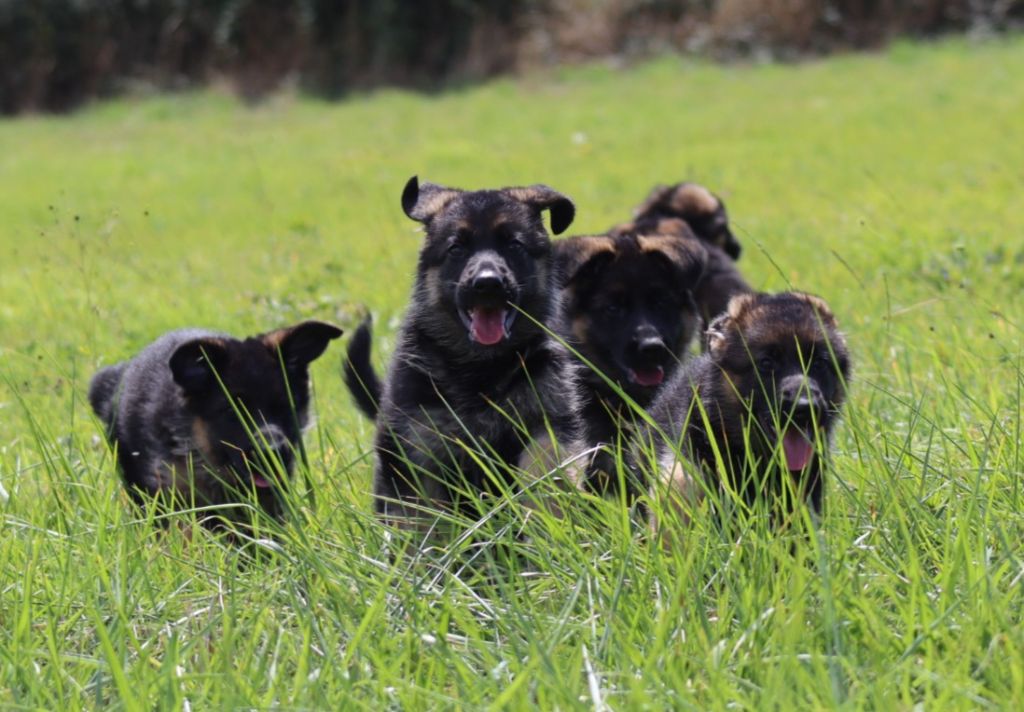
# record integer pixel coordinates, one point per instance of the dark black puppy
(704, 213)
(628, 311)
(474, 377)
(199, 418)
(766, 395)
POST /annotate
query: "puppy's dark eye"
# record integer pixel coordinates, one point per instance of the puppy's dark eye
(516, 245)
(822, 363)
(456, 249)
(766, 363)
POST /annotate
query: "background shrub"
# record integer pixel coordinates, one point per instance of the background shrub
(55, 54)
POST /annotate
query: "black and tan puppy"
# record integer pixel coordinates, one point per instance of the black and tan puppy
(475, 377)
(200, 418)
(766, 397)
(671, 209)
(628, 311)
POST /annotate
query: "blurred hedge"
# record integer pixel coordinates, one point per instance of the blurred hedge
(55, 54)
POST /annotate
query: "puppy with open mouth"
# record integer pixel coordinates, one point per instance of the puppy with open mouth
(477, 385)
(758, 409)
(628, 311)
(201, 419)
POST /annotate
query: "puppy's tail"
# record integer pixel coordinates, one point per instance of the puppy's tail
(103, 391)
(361, 379)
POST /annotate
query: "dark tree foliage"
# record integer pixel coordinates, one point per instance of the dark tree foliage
(56, 54)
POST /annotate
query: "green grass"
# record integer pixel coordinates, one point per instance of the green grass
(891, 184)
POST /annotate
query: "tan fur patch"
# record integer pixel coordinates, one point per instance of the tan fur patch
(532, 193)
(740, 304)
(586, 247)
(580, 325)
(652, 243)
(578, 251)
(432, 202)
(674, 226)
(274, 339)
(201, 438)
(715, 336)
(693, 198)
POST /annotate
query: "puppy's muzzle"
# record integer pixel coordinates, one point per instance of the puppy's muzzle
(647, 354)
(484, 301)
(802, 408)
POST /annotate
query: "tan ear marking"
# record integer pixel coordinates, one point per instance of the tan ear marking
(430, 204)
(586, 247)
(739, 304)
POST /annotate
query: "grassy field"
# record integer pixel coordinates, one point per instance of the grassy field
(891, 184)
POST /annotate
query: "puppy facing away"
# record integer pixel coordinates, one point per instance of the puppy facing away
(758, 409)
(476, 384)
(200, 418)
(628, 311)
(670, 209)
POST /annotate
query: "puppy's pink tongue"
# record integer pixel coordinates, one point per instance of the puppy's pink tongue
(649, 376)
(260, 481)
(797, 449)
(487, 326)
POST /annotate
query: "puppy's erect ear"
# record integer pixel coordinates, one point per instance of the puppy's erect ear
(194, 363)
(303, 343)
(541, 197)
(422, 202)
(686, 255)
(579, 259)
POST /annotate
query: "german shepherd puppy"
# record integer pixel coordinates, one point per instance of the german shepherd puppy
(766, 396)
(670, 209)
(200, 418)
(475, 376)
(628, 311)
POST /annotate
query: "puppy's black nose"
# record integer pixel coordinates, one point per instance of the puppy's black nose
(801, 399)
(650, 345)
(799, 406)
(486, 280)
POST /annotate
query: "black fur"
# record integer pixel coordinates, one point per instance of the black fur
(360, 376)
(178, 436)
(473, 368)
(775, 376)
(628, 311)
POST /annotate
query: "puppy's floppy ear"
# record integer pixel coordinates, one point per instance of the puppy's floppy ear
(422, 202)
(686, 255)
(195, 363)
(303, 343)
(580, 258)
(715, 335)
(542, 197)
